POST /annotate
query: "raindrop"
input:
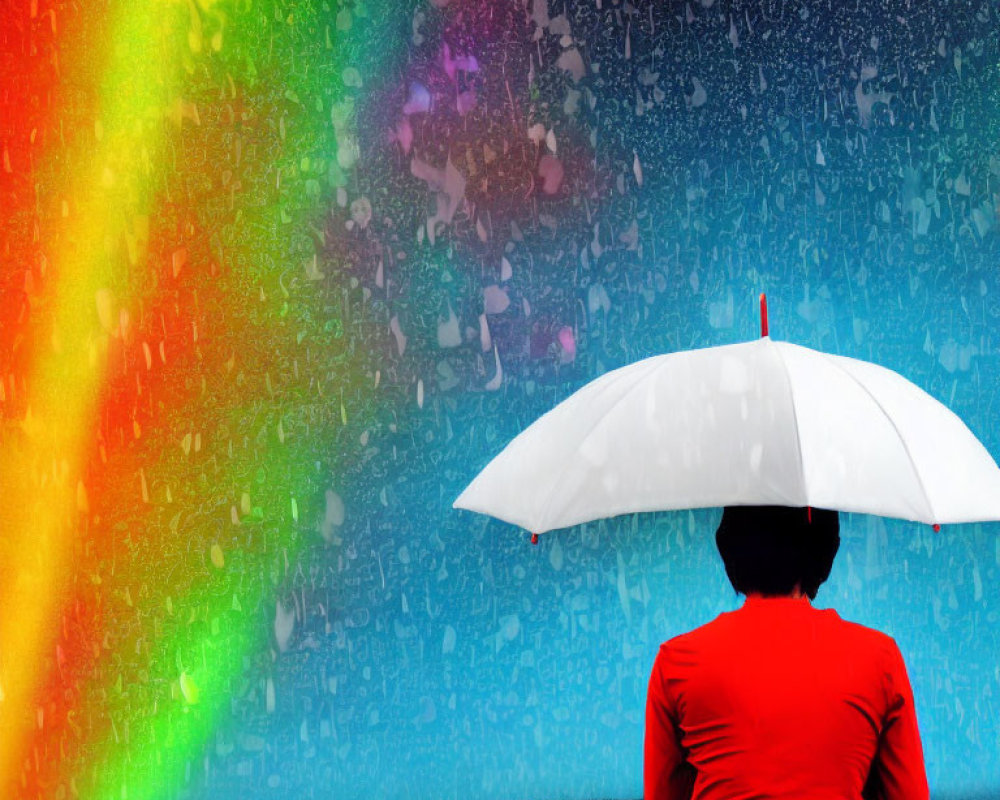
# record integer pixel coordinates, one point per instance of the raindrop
(284, 624)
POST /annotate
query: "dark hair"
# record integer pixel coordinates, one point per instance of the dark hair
(768, 549)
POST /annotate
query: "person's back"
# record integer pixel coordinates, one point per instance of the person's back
(779, 700)
(782, 700)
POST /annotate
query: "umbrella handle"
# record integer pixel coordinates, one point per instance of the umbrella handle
(763, 315)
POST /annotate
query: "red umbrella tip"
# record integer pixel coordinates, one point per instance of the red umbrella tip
(534, 538)
(936, 527)
(763, 314)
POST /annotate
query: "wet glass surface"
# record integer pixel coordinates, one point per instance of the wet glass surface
(279, 278)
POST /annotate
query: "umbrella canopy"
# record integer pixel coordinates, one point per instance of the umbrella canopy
(758, 423)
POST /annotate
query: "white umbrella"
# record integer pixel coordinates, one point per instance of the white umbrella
(759, 423)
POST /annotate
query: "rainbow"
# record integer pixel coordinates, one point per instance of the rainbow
(142, 303)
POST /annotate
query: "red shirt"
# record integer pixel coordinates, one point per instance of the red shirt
(781, 700)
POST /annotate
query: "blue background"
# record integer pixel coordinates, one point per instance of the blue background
(463, 662)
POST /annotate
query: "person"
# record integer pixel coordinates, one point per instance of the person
(779, 699)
